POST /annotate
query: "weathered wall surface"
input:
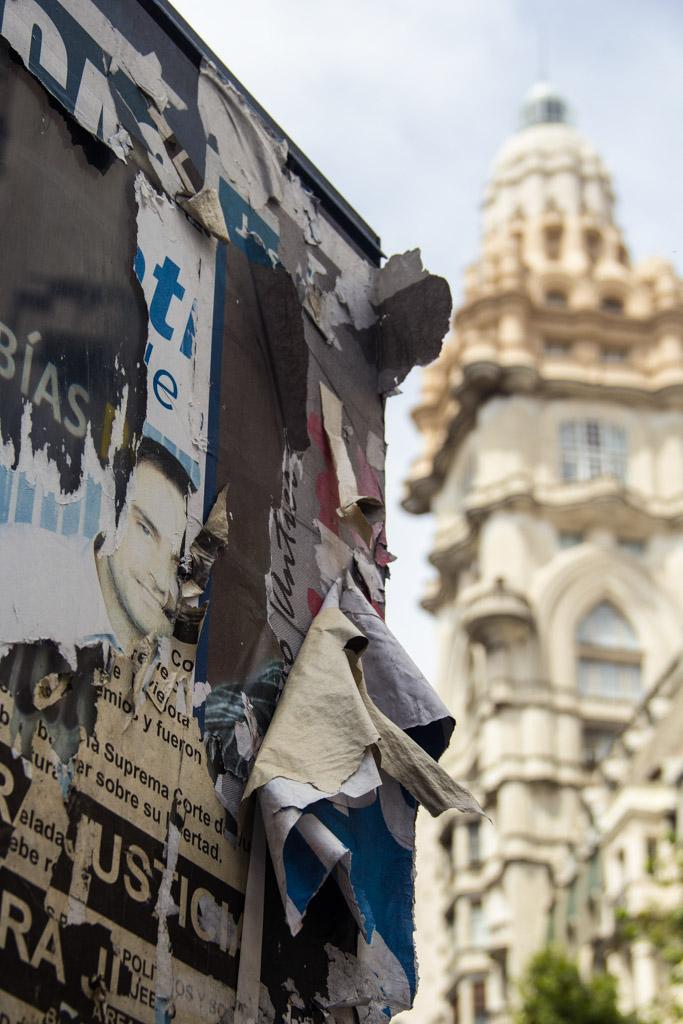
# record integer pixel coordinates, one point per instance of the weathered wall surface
(194, 358)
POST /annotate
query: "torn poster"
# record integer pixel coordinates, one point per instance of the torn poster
(360, 510)
(195, 342)
(331, 808)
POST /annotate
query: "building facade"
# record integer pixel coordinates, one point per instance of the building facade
(552, 425)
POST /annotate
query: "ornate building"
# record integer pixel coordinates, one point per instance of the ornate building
(553, 462)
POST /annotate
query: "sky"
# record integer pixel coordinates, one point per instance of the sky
(403, 105)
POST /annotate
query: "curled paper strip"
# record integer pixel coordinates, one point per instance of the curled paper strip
(330, 755)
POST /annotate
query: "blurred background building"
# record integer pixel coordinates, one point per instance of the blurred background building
(552, 429)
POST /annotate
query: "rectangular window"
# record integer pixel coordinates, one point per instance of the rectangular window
(610, 680)
(477, 923)
(473, 843)
(479, 1001)
(597, 744)
(651, 855)
(614, 451)
(615, 354)
(553, 348)
(591, 449)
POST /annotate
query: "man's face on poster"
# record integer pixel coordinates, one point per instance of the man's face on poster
(144, 566)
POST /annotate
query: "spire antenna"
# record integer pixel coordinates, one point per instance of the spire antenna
(541, 45)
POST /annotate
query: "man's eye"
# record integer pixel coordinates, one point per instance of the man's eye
(147, 532)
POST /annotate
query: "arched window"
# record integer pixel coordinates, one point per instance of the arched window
(590, 449)
(608, 655)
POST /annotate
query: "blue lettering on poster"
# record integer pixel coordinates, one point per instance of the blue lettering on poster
(246, 229)
(166, 290)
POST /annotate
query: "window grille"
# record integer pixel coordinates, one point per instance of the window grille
(608, 656)
(609, 679)
(590, 448)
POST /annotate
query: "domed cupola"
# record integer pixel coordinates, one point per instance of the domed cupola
(547, 166)
(552, 303)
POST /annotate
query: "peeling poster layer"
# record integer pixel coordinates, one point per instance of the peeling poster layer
(195, 350)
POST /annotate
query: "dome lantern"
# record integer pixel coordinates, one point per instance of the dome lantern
(543, 105)
(546, 168)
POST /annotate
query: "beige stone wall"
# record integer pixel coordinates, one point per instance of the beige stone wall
(556, 326)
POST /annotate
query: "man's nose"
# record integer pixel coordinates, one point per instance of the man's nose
(162, 569)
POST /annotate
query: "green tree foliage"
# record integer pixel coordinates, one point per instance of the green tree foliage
(553, 992)
(662, 928)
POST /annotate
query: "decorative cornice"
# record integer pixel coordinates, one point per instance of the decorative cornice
(481, 379)
(580, 503)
